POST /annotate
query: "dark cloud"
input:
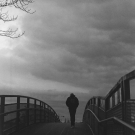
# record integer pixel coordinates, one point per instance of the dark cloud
(73, 43)
(83, 44)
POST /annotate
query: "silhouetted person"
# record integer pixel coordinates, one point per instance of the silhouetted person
(72, 104)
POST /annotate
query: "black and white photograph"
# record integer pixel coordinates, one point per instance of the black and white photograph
(67, 67)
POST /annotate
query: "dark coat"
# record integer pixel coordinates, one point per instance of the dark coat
(72, 102)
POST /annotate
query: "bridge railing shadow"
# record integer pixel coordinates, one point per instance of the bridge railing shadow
(114, 113)
(17, 112)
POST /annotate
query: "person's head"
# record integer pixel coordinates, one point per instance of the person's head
(72, 95)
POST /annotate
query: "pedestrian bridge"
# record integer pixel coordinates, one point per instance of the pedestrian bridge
(113, 114)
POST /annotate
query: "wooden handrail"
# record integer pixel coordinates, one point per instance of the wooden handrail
(114, 119)
(23, 110)
(26, 97)
(42, 108)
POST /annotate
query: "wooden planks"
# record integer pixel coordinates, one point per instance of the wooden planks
(56, 129)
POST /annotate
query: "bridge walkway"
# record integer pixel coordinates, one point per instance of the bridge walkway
(55, 129)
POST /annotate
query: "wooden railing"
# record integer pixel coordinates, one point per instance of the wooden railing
(17, 112)
(115, 105)
(110, 126)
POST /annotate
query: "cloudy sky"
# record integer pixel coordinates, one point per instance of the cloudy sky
(80, 46)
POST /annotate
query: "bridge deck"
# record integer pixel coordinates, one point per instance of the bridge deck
(56, 129)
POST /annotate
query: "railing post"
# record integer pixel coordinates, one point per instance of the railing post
(106, 107)
(18, 113)
(2, 116)
(49, 114)
(40, 111)
(98, 103)
(35, 110)
(28, 102)
(125, 91)
(45, 113)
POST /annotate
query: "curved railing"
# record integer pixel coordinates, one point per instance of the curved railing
(114, 113)
(17, 112)
(110, 126)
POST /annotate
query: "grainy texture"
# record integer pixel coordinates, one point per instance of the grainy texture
(56, 129)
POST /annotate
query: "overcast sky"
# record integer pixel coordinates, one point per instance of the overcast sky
(79, 46)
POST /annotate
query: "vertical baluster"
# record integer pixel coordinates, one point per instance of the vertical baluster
(40, 111)
(27, 115)
(44, 112)
(49, 113)
(125, 96)
(98, 102)
(18, 113)
(2, 116)
(34, 110)
(106, 107)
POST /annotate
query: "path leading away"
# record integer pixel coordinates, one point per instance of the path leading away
(56, 129)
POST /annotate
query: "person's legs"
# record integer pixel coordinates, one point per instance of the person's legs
(71, 119)
(72, 116)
